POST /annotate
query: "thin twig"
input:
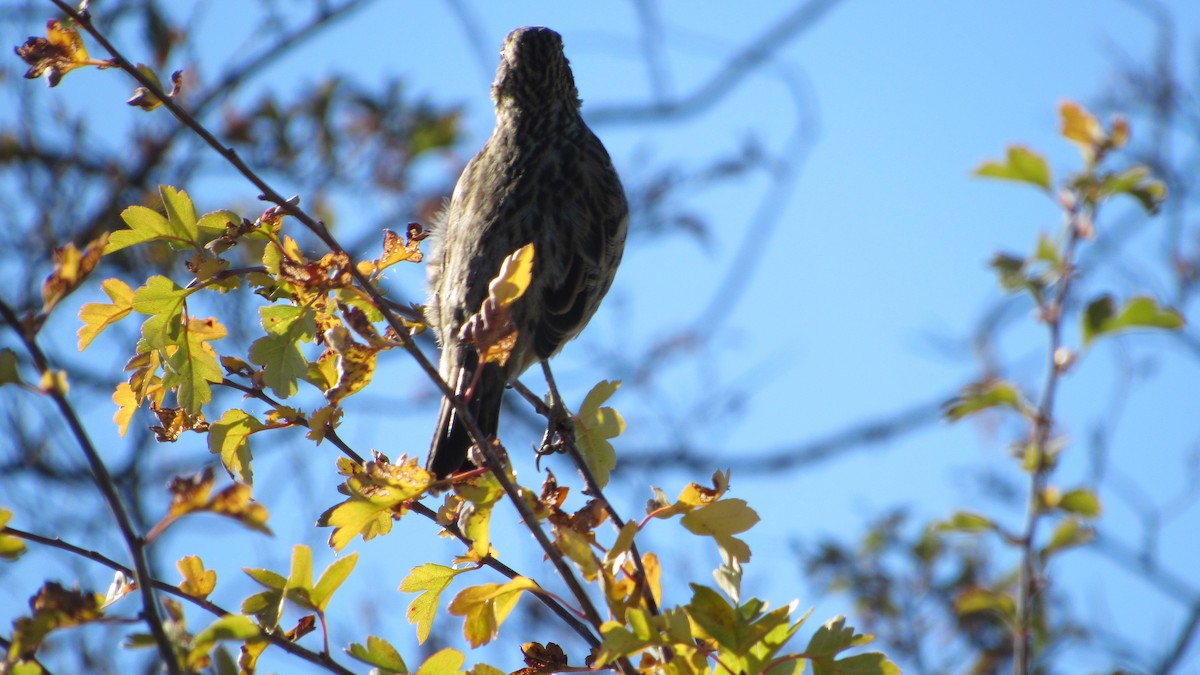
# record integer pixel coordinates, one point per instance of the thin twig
(1027, 586)
(104, 481)
(207, 605)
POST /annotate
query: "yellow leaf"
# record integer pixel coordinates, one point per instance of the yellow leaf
(71, 267)
(97, 316)
(480, 495)
(11, 548)
(1081, 128)
(429, 580)
(355, 364)
(513, 280)
(127, 405)
(197, 581)
(594, 425)
(396, 250)
(194, 495)
(55, 55)
(377, 491)
(721, 520)
(445, 662)
(485, 607)
(230, 438)
(54, 381)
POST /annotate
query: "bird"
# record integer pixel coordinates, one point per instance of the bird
(543, 178)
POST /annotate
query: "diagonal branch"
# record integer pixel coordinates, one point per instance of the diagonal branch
(104, 481)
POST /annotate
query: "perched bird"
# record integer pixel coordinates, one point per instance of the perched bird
(542, 177)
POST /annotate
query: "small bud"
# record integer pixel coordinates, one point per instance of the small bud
(1063, 359)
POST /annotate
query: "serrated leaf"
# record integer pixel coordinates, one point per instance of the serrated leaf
(445, 662)
(71, 268)
(870, 663)
(197, 581)
(331, 579)
(379, 653)
(229, 438)
(482, 494)
(181, 214)
(1021, 165)
(193, 365)
(429, 580)
(715, 616)
(127, 404)
(283, 363)
(485, 607)
(721, 520)
(144, 225)
(374, 491)
(594, 426)
(1101, 317)
(833, 638)
(97, 316)
(355, 517)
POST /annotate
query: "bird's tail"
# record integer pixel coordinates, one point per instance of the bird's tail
(448, 452)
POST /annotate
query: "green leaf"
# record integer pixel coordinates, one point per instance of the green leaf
(279, 352)
(283, 363)
(1101, 317)
(483, 492)
(716, 616)
(983, 600)
(9, 373)
(594, 425)
(871, 663)
(1137, 183)
(1083, 502)
(181, 214)
(144, 225)
(331, 579)
(1069, 533)
(217, 221)
(429, 580)
(194, 365)
(379, 653)
(268, 605)
(1020, 164)
(229, 438)
(228, 627)
(984, 396)
(965, 521)
(299, 581)
(834, 637)
(160, 295)
(1014, 274)
(11, 547)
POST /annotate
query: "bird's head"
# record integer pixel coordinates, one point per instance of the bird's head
(534, 72)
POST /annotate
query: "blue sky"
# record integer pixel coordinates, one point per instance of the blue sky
(876, 260)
